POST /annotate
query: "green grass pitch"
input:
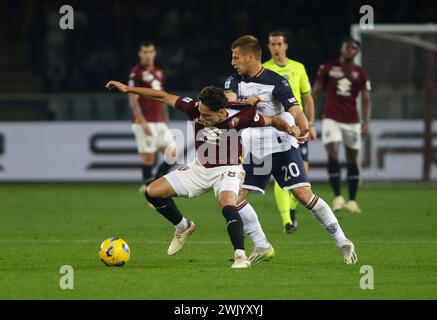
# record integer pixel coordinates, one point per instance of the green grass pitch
(43, 227)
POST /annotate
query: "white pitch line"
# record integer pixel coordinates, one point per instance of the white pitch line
(206, 242)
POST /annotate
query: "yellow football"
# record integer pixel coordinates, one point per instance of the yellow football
(114, 252)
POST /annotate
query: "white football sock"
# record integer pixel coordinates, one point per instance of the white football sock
(252, 226)
(240, 253)
(322, 212)
(183, 225)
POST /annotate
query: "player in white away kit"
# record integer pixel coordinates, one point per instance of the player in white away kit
(217, 165)
(278, 153)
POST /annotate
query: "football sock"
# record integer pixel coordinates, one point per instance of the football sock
(166, 207)
(353, 179)
(293, 205)
(293, 215)
(282, 198)
(334, 175)
(234, 226)
(251, 225)
(163, 169)
(183, 225)
(322, 212)
(147, 173)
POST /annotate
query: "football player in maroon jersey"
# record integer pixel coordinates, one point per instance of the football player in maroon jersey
(149, 117)
(217, 165)
(343, 80)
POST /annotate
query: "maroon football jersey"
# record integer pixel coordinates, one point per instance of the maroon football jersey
(153, 78)
(220, 145)
(342, 87)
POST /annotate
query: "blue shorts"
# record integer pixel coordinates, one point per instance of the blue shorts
(304, 151)
(286, 167)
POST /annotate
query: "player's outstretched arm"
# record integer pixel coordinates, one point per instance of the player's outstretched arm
(152, 94)
(281, 125)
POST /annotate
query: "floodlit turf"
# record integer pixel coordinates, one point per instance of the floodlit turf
(43, 227)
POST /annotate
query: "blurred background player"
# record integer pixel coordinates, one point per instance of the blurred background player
(296, 75)
(343, 80)
(149, 117)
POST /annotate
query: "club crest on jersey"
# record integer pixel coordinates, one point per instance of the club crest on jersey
(336, 72)
(233, 122)
(355, 74)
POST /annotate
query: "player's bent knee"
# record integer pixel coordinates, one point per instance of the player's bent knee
(227, 198)
(303, 194)
(243, 196)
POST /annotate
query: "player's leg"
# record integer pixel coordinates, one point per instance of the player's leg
(226, 187)
(332, 137)
(352, 141)
(283, 202)
(181, 183)
(167, 146)
(293, 201)
(254, 182)
(146, 149)
(323, 213)
(148, 161)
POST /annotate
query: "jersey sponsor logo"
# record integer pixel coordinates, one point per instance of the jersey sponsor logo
(233, 122)
(344, 87)
(336, 72)
(187, 99)
(147, 76)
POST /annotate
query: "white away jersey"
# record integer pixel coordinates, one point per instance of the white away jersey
(276, 98)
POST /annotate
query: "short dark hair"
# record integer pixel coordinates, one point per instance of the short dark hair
(248, 44)
(278, 33)
(350, 39)
(213, 97)
(146, 43)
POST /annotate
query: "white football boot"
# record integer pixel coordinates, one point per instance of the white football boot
(258, 254)
(338, 203)
(240, 262)
(179, 239)
(348, 252)
(352, 206)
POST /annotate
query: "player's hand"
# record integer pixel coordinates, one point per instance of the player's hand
(313, 133)
(252, 99)
(365, 129)
(146, 128)
(116, 84)
(305, 135)
(294, 131)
